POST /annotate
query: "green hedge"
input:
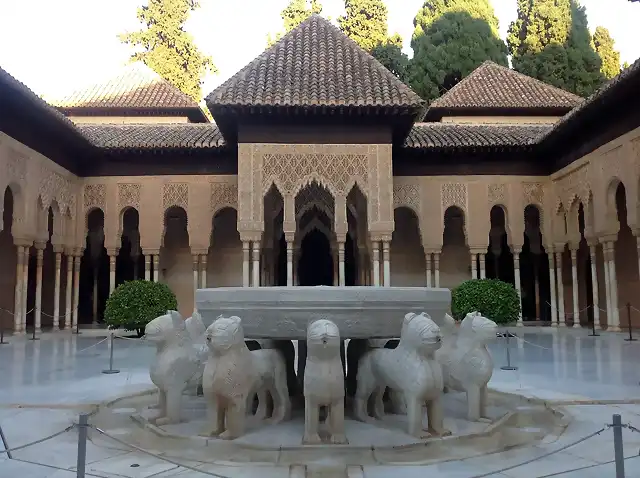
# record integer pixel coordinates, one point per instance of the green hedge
(494, 299)
(136, 303)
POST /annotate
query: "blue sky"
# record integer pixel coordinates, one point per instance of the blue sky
(57, 46)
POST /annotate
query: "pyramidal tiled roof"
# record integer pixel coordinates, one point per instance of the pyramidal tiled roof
(135, 87)
(315, 66)
(492, 86)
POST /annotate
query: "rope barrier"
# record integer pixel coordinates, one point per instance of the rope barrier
(91, 346)
(27, 445)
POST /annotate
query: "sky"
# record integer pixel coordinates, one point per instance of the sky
(55, 47)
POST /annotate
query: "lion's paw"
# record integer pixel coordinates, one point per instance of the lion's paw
(311, 439)
(339, 439)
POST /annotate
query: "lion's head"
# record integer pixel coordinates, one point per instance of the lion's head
(323, 336)
(478, 328)
(164, 328)
(224, 334)
(421, 333)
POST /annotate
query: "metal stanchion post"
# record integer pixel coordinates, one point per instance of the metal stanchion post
(83, 424)
(630, 339)
(33, 334)
(77, 331)
(5, 444)
(111, 370)
(508, 366)
(618, 449)
(2, 342)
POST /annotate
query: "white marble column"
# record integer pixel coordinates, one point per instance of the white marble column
(516, 273)
(386, 263)
(156, 267)
(195, 258)
(560, 281)
(76, 287)
(574, 287)
(113, 255)
(256, 264)
(147, 267)
(56, 288)
(594, 288)
(341, 272)
(474, 267)
(25, 285)
(613, 279)
(427, 258)
(552, 284)
(289, 262)
(607, 284)
(483, 269)
(68, 305)
(17, 300)
(246, 257)
(203, 271)
(376, 264)
(436, 268)
(38, 308)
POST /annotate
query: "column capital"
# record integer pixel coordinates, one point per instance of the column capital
(608, 238)
(380, 237)
(59, 248)
(250, 236)
(112, 252)
(40, 246)
(200, 252)
(150, 252)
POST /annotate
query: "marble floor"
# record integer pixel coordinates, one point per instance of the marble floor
(45, 384)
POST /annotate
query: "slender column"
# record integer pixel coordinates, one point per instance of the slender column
(68, 290)
(76, 287)
(483, 270)
(113, 255)
(376, 264)
(436, 268)
(427, 258)
(574, 286)
(341, 271)
(474, 267)
(613, 279)
(17, 304)
(561, 316)
(516, 273)
(203, 271)
(94, 301)
(56, 289)
(246, 250)
(386, 261)
(147, 267)
(552, 283)
(289, 262)
(25, 284)
(256, 264)
(196, 271)
(594, 285)
(156, 267)
(38, 309)
(536, 285)
(607, 284)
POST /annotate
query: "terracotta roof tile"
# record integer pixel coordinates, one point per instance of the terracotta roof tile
(491, 86)
(315, 65)
(136, 86)
(448, 136)
(153, 136)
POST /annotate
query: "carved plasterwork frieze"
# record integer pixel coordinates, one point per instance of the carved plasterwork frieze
(129, 195)
(314, 195)
(407, 195)
(532, 193)
(54, 186)
(223, 195)
(497, 194)
(573, 186)
(454, 194)
(175, 194)
(16, 167)
(95, 196)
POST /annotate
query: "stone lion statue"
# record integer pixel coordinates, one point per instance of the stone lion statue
(177, 364)
(411, 369)
(323, 382)
(467, 365)
(233, 375)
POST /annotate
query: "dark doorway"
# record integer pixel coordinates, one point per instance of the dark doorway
(316, 264)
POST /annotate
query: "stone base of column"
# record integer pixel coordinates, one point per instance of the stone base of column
(554, 324)
(577, 325)
(614, 328)
(520, 323)
(562, 324)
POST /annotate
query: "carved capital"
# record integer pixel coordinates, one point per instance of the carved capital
(150, 252)
(22, 241)
(113, 252)
(40, 246)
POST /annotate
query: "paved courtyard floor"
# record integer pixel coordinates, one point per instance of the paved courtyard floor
(45, 384)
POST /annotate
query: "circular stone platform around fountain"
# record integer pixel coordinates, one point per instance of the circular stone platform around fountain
(516, 421)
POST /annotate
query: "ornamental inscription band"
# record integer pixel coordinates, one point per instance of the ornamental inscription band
(285, 312)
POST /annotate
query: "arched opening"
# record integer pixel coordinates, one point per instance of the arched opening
(499, 263)
(130, 261)
(358, 261)
(176, 263)
(224, 264)
(626, 261)
(408, 265)
(94, 271)
(585, 282)
(49, 268)
(534, 269)
(8, 258)
(455, 260)
(315, 266)
(274, 247)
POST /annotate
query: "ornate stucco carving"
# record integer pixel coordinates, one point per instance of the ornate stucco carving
(129, 195)
(16, 169)
(95, 196)
(407, 195)
(573, 187)
(532, 193)
(54, 187)
(314, 195)
(454, 194)
(176, 194)
(497, 194)
(223, 195)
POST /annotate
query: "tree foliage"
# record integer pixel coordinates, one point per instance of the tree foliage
(296, 12)
(550, 41)
(604, 45)
(134, 304)
(451, 39)
(391, 56)
(494, 299)
(165, 47)
(365, 22)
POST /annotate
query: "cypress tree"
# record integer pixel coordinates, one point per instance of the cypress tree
(296, 12)
(451, 39)
(365, 22)
(391, 56)
(604, 46)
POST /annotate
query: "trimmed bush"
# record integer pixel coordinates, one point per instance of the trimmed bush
(136, 303)
(494, 299)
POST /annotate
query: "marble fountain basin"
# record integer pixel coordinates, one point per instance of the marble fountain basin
(360, 312)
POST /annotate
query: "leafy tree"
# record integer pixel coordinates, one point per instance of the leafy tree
(391, 56)
(626, 64)
(604, 46)
(296, 12)
(494, 299)
(451, 39)
(536, 40)
(167, 48)
(365, 22)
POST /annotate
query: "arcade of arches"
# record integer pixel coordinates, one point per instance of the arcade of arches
(569, 242)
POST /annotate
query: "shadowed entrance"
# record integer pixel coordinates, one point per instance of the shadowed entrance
(316, 263)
